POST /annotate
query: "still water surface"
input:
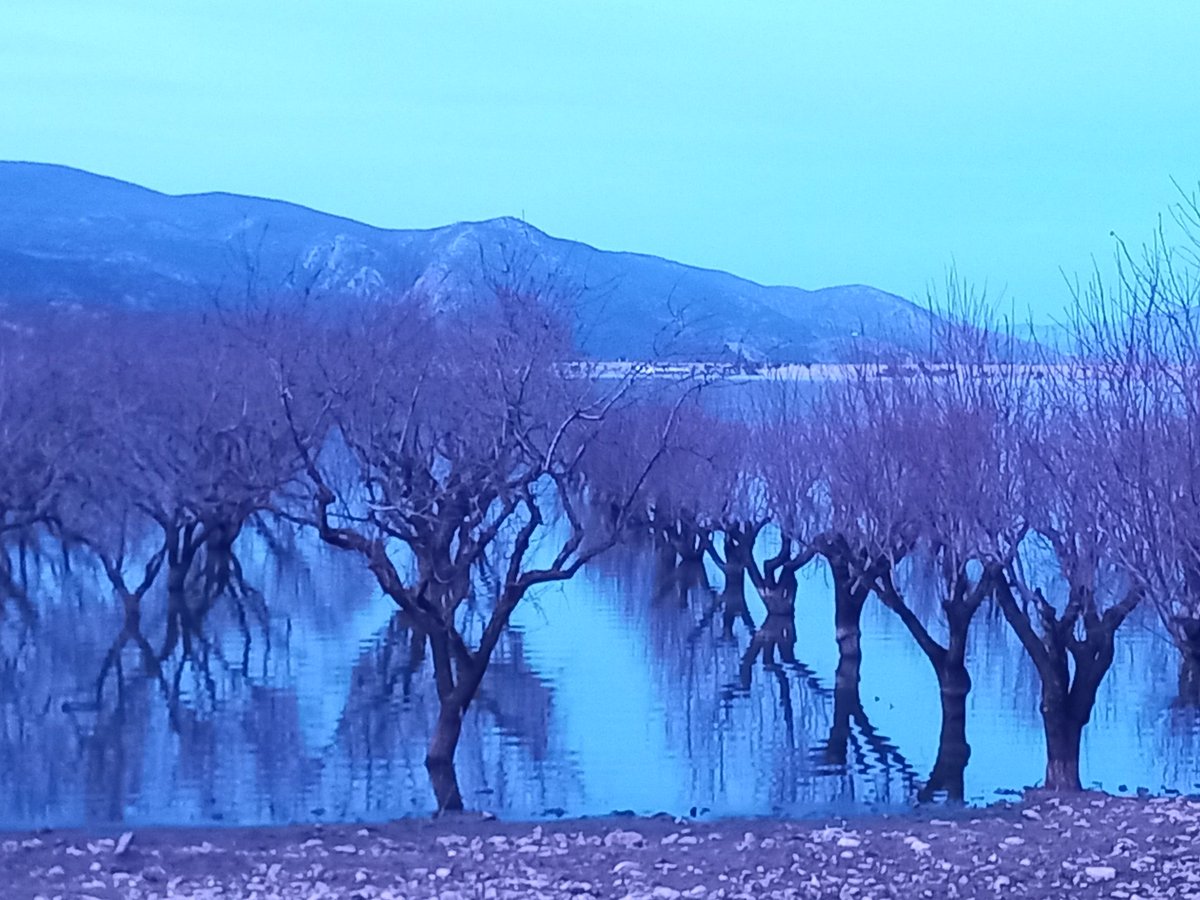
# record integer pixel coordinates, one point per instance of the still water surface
(313, 702)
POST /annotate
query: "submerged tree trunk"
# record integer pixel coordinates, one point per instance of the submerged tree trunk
(735, 565)
(847, 619)
(679, 561)
(690, 541)
(847, 706)
(222, 569)
(439, 761)
(1186, 633)
(458, 673)
(183, 542)
(690, 576)
(954, 685)
(849, 596)
(950, 668)
(666, 566)
(1067, 698)
(954, 752)
(182, 624)
(777, 634)
(733, 601)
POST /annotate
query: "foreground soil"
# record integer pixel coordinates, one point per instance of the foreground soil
(1086, 845)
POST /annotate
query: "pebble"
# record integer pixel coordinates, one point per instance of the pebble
(1151, 842)
(626, 839)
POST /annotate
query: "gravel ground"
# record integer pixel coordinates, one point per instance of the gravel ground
(1086, 845)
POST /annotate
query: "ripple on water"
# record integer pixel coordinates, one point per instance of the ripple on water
(607, 694)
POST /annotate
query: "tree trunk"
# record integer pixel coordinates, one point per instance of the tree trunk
(1065, 721)
(446, 732)
(847, 702)
(457, 686)
(666, 574)
(1063, 733)
(847, 621)
(1189, 681)
(439, 761)
(1062, 753)
(733, 601)
(1067, 697)
(954, 684)
(690, 577)
(1186, 632)
(778, 631)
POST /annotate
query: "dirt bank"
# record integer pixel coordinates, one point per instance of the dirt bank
(1087, 845)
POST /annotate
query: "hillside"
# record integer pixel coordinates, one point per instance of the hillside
(71, 237)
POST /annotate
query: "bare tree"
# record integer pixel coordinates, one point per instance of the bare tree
(458, 441)
(1139, 333)
(870, 490)
(49, 422)
(1069, 639)
(788, 493)
(965, 504)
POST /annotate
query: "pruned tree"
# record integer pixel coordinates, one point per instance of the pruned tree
(49, 422)
(1069, 633)
(440, 449)
(786, 492)
(862, 425)
(965, 506)
(1138, 331)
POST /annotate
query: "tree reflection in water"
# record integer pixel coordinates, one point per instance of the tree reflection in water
(304, 695)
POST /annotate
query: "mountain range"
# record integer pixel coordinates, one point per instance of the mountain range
(74, 238)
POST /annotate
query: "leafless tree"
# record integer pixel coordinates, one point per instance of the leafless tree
(453, 445)
(965, 503)
(870, 491)
(1069, 636)
(48, 424)
(1138, 331)
(786, 493)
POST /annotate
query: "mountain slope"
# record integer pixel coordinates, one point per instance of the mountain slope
(72, 237)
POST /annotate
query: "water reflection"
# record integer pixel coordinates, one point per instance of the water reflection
(300, 693)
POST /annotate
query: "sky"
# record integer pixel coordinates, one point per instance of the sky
(790, 142)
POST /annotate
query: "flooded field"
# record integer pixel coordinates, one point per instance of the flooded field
(312, 700)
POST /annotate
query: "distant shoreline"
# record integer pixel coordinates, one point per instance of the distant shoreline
(787, 372)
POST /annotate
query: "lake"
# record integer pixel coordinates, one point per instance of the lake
(312, 701)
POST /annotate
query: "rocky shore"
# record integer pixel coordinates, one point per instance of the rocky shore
(1086, 845)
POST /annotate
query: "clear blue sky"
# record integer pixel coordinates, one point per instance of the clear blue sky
(789, 142)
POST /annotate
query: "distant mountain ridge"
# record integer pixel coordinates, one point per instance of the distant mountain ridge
(72, 237)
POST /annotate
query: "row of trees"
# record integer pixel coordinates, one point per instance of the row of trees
(1064, 490)
(461, 458)
(443, 448)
